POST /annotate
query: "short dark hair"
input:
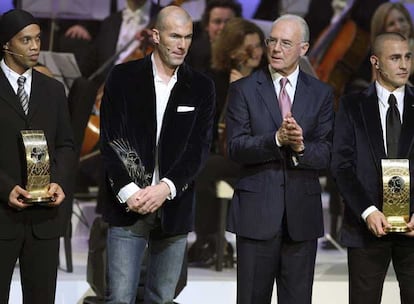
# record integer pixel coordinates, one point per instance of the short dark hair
(231, 4)
(379, 40)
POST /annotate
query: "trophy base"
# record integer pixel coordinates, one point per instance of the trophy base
(39, 200)
(398, 224)
(398, 229)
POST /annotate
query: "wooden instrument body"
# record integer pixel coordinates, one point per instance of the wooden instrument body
(339, 52)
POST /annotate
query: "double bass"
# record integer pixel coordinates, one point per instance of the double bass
(339, 51)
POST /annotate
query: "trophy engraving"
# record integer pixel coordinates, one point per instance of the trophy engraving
(38, 166)
(396, 193)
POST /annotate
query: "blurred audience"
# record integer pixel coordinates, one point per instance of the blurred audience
(388, 17)
(215, 16)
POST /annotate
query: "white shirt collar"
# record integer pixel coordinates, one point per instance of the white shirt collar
(12, 76)
(383, 94)
(155, 72)
(293, 77)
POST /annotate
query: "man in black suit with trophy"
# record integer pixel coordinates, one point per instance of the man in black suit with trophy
(373, 127)
(30, 101)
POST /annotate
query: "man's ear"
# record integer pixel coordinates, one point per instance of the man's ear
(156, 36)
(304, 48)
(374, 61)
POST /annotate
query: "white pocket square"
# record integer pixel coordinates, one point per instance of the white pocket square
(185, 109)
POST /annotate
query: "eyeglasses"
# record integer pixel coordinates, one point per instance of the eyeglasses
(284, 44)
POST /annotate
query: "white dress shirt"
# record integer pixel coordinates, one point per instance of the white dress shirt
(162, 93)
(12, 76)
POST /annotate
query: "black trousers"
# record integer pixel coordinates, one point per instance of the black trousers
(368, 266)
(38, 262)
(261, 262)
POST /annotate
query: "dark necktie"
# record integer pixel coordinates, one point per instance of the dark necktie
(284, 100)
(393, 127)
(22, 95)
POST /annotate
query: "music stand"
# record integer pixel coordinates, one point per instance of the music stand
(63, 66)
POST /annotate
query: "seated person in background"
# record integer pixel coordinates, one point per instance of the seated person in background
(236, 52)
(117, 36)
(215, 16)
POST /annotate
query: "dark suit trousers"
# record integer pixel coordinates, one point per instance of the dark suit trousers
(368, 267)
(259, 263)
(38, 262)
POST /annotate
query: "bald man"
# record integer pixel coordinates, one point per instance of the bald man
(30, 232)
(156, 130)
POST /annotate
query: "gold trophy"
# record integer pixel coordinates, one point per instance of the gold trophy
(38, 166)
(396, 193)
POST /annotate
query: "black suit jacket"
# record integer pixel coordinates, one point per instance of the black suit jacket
(48, 112)
(128, 138)
(271, 186)
(358, 148)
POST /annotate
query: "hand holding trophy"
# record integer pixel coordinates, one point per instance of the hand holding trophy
(38, 167)
(396, 193)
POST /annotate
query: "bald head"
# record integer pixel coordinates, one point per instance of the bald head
(172, 37)
(169, 13)
(383, 38)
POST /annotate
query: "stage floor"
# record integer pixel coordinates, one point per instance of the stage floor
(204, 286)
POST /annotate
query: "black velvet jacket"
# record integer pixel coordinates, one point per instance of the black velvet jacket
(128, 138)
(358, 148)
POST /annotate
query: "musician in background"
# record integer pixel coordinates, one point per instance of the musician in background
(236, 52)
(117, 35)
(215, 17)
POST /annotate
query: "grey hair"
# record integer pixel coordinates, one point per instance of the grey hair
(302, 23)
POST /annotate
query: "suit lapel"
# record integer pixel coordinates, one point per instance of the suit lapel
(144, 88)
(8, 96)
(407, 130)
(266, 91)
(372, 123)
(37, 95)
(302, 99)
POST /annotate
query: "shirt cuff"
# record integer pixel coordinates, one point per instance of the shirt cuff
(173, 190)
(368, 211)
(277, 141)
(127, 191)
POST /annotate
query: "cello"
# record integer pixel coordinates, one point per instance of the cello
(339, 51)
